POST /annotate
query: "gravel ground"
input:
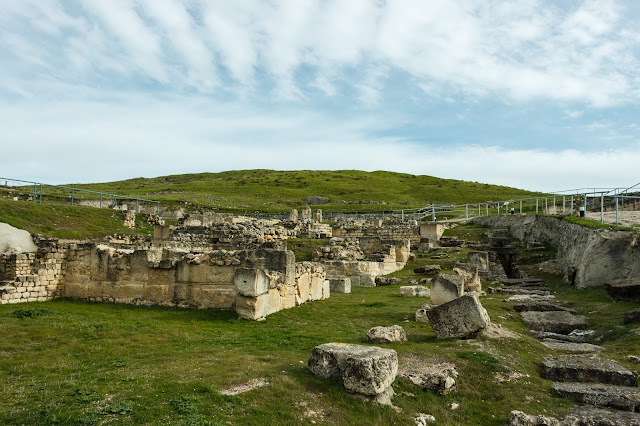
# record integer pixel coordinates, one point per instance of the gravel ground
(624, 218)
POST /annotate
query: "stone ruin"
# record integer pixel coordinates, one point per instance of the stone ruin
(212, 261)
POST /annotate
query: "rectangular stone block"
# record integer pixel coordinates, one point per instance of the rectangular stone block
(459, 318)
(252, 308)
(340, 285)
(251, 282)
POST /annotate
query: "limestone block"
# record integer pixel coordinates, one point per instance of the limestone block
(303, 286)
(274, 301)
(326, 289)
(157, 293)
(288, 297)
(440, 378)
(364, 370)
(459, 318)
(445, 288)
(340, 285)
(252, 308)
(251, 282)
(315, 288)
(414, 291)
(395, 333)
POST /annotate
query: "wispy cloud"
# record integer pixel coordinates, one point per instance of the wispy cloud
(521, 50)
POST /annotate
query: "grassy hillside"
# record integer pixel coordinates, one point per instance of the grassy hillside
(66, 221)
(269, 190)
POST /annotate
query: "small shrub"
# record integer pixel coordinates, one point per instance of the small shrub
(30, 313)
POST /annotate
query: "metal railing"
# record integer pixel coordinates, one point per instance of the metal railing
(102, 199)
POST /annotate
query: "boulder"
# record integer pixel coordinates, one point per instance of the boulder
(366, 371)
(459, 318)
(14, 240)
(439, 378)
(518, 418)
(414, 291)
(427, 270)
(445, 288)
(555, 321)
(395, 333)
(340, 285)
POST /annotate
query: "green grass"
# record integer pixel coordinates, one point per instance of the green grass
(270, 190)
(66, 221)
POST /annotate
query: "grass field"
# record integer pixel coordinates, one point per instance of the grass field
(70, 362)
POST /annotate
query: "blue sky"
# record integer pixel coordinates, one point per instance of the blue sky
(541, 95)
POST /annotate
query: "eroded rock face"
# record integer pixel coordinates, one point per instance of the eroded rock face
(626, 290)
(445, 288)
(367, 371)
(395, 333)
(459, 318)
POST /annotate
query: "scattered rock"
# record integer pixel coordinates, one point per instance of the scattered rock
(460, 318)
(586, 368)
(529, 298)
(422, 419)
(440, 378)
(619, 397)
(445, 288)
(367, 371)
(633, 358)
(395, 333)
(245, 387)
(381, 281)
(631, 316)
(427, 270)
(587, 415)
(414, 291)
(518, 418)
(554, 321)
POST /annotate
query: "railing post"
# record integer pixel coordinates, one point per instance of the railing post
(34, 193)
(601, 208)
(546, 206)
(572, 205)
(101, 200)
(113, 201)
(520, 206)
(40, 193)
(466, 209)
(136, 205)
(616, 211)
(73, 194)
(487, 209)
(554, 206)
(536, 206)
(402, 215)
(564, 203)
(498, 209)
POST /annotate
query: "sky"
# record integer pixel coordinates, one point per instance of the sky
(540, 95)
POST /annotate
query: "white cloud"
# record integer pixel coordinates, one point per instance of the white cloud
(519, 51)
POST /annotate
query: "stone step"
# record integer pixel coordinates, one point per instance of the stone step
(612, 396)
(543, 335)
(541, 306)
(536, 291)
(586, 368)
(529, 298)
(559, 345)
(587, 415)
(560, 322)
(522, 281)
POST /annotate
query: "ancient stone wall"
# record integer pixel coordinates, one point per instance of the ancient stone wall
(387, 231)
(31, 277)
(588, 257)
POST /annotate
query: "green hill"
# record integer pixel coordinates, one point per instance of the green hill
(270, 191)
